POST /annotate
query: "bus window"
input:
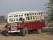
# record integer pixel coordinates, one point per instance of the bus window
(20, 19)
(15, 15)
(20, 15)
(31, 17)
(38, 17)
(10, 16)
(27, 18)
(27, 14)
(39, 13)
(35, 16)
(32, 13)
(16, 19)
(35, 13)
(11, 20)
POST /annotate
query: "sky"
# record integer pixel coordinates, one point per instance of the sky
(7, 6)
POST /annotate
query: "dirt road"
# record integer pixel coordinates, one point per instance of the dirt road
(32, 36)
(42, 36)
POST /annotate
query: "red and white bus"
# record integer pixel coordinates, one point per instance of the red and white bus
(24, 21)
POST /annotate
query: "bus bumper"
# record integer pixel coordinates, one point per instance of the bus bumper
(13, 31)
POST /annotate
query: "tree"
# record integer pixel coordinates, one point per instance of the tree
(50, 10)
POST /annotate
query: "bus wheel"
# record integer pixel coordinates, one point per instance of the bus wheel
(39, 31)
(5, 33)
(24, 31)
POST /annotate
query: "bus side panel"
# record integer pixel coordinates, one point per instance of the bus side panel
(34, 25)
(39, 24)
(29, 25)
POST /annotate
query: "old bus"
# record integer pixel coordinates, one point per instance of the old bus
(24, 21)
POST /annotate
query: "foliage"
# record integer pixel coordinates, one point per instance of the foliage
(50, 10)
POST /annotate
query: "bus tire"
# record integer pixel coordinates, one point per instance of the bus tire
(5, 33)
(39, 31)
(24, 31)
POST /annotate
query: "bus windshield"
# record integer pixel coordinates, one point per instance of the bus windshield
(15, 18)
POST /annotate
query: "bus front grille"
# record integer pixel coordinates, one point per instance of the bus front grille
(13, 26)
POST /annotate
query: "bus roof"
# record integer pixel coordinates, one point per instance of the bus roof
(23, 12)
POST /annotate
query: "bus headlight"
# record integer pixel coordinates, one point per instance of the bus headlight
(8, 26)
(19, 25)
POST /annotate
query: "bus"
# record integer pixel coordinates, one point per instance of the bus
(24, 21)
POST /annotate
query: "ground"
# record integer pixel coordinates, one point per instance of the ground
(45, 35)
